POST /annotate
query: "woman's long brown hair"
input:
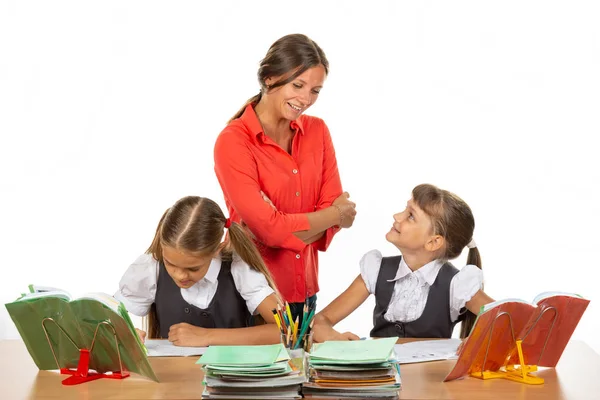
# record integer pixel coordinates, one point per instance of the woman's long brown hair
(289, 57)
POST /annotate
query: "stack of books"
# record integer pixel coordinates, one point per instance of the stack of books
(252, 372)
(353, 370)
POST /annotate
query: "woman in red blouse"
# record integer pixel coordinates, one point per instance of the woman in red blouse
(278, 171)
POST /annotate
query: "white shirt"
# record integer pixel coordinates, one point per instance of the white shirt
(137, 288)
(412, 288)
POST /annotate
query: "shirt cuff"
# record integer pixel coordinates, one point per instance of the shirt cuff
(291, 241)
(325, 241)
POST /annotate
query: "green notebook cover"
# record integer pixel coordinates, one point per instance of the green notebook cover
(354, 351)
(79, 319)
(261, 355)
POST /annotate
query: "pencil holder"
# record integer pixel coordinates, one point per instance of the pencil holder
(296, 346)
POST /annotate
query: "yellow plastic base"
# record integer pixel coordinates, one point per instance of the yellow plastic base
(520, 373)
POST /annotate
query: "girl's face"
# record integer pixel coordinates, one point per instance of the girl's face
(185, 269)
(411, 230)
(295, 97)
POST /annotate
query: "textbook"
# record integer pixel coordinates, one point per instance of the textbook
(252, 372)
(543, 328)
(55, 326)
(353, 370)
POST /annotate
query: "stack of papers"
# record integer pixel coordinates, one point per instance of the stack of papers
(353, 369)
(252, 372)
(427, 350)
(164, 348)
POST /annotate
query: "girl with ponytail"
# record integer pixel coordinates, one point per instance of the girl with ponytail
(196, 289)
(420, 293)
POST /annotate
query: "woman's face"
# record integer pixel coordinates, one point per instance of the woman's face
(295, 97)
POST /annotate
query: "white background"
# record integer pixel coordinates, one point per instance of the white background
(109, 112)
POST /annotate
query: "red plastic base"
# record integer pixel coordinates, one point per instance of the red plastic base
(82, 373)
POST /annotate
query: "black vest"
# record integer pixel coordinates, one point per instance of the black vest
(227, 309)
(435, 321)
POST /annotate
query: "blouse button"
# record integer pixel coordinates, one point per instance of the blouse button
(187, 310)
(298, 256)
(205, 314)
(294, 171)
(297, 194)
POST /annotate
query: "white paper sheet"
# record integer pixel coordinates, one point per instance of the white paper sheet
(427, 350)
(164, 348)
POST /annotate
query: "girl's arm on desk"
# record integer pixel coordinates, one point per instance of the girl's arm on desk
(337, 310)
(184, 334)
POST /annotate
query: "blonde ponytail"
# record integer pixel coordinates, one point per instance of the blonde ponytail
(246, 249)
(155, 247)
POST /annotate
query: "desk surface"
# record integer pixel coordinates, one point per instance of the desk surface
(577, 376)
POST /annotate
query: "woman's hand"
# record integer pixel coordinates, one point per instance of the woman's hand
(347, 210)
(184, 334)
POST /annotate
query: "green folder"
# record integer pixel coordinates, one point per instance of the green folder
(79, 320)
(354, 352)
(261, 355)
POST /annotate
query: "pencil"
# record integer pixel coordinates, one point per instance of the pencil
(281, 318)
(277, 321)
(289, 313)
(307, 325)
(304, 312)
(295, 331)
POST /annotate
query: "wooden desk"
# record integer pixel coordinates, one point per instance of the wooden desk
(577, 376)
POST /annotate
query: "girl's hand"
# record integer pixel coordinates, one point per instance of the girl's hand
(189, 335)
(322, 333)
(347, 336)
(141, 334)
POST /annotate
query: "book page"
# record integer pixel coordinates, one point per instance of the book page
(103, 298)
(60, 294)
(427, 350)
(545, 295)
(164, 348)
(498, 303)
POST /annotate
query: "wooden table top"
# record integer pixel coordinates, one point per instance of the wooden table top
(577, 376)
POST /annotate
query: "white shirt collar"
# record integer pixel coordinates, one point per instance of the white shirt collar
(213, 270)
(426, 273)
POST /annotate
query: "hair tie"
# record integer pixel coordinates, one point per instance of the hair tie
(227, 223)
(472, 244)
